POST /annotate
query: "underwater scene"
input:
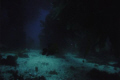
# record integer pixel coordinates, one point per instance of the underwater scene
(59, 40)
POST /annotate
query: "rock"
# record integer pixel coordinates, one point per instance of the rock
(0, 56)
(95, 74)
(22, 55)
(53, 72)
(42, 78)
(45, 50)
(10, 60)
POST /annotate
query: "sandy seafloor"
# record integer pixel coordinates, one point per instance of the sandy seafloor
(68, 67)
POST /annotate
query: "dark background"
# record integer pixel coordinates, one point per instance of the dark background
(20, 21)
(81, 25)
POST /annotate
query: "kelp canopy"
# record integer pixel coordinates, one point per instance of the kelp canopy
(84, 24)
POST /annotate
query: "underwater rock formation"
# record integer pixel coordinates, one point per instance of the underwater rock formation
(51, 49)
(95, 74)
(10, 60)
